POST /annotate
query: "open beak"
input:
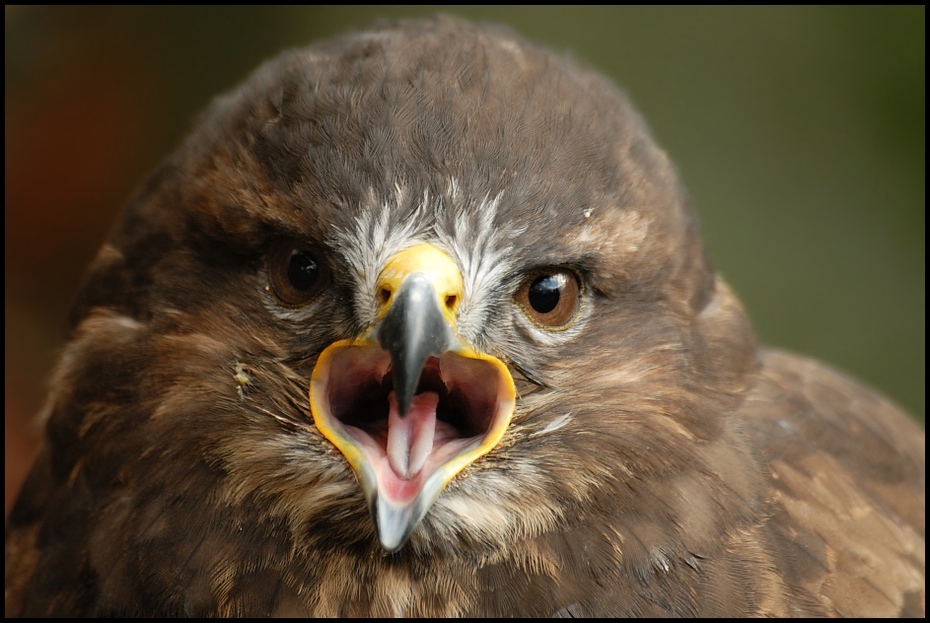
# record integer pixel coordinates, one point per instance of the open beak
(410, 404)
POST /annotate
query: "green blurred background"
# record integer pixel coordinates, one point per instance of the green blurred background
(798, 131)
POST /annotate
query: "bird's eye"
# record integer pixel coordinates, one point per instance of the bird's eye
(551, 297)
(295, 273)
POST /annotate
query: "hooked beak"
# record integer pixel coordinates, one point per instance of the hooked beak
(410, 405)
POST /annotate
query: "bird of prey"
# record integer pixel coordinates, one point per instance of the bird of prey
(417, 321)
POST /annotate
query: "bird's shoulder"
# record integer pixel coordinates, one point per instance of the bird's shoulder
(847, 480)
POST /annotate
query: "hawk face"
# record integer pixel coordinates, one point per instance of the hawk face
(411, 315)
(275, 247)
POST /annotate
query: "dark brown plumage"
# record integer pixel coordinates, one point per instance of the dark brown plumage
(656, 462)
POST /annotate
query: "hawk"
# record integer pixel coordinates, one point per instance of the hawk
(418, 322)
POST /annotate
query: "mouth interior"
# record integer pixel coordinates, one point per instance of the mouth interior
(360, 399)
(463, 411)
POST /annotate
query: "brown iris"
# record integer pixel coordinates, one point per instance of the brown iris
(550, 297)
(296, 274)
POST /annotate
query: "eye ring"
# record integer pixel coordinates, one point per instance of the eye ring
(296, 273)
(550, 297)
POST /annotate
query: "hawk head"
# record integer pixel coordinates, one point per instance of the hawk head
(470, 253)
(411, 312)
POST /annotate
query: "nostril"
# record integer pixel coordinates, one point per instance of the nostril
(384, 295)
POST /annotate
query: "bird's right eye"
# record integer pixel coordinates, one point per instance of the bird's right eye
(296, 275)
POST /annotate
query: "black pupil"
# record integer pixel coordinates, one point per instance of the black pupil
(545, 292)
(302, 270)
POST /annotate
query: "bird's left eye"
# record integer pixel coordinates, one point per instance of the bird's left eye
(295, 273)
(550, 297)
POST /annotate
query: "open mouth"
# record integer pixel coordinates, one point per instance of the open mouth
(460, 409)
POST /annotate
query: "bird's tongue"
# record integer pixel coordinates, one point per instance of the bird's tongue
(410, 437)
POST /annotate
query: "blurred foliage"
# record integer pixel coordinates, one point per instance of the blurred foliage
(799, 132)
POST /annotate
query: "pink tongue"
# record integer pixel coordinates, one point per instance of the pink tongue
(410, 438)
